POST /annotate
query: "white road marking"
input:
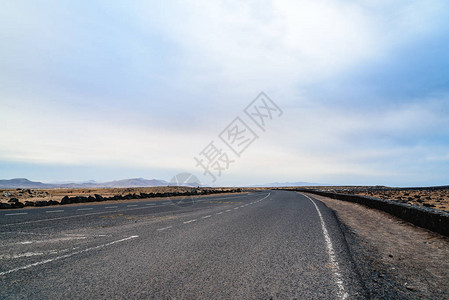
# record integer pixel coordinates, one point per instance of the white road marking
(167, 203)
(219, 213)
(54, 211)
(68, 238)
(342, 294)
(150, 204)
(242, 205)
(190, 221)
(236, 208)
(132, 205)
(228, 210)
(85, 208)
(74, 216)
(67, 255)
(205, 217)
(16, 214)
(160, 229)
(233, 197)
(29, 254)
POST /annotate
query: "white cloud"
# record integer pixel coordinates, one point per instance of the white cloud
(224, 53)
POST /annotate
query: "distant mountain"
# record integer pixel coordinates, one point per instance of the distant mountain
(133, 182)
(21, 183)
(285, 184)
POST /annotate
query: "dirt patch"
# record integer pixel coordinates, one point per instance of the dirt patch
(395, 258)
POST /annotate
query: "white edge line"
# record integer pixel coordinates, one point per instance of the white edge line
(342, 294)
(205, 217)
(67, 255)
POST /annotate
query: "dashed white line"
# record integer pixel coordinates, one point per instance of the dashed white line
(342, 294)
(236, 208)
(190, 221)
(85, 208)
(67, 255)
(228, 210)
(164, 228)
(131, 205)
(16, 214)
(54, 211)
(150, 204)
(111, 207)
(219, 213)
(205, 217)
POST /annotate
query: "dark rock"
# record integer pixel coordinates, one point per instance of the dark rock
(17, 204)
(29, 203)
(91, 199)
(5, 205)
(41, 203)
(99, 197)
(53, 202)
(12, 200)
(66, 200)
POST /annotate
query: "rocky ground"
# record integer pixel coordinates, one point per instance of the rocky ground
(433, 197)
(18, 198)
(438, 199)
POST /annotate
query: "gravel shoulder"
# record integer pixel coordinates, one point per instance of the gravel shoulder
(394, 258)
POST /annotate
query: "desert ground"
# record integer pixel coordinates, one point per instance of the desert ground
(433, 197)
(39, 195)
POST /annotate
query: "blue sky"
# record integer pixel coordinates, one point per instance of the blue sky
(111, 90)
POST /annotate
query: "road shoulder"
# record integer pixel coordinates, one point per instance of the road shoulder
(394, 258)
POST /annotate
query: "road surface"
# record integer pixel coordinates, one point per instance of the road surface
(263, 245)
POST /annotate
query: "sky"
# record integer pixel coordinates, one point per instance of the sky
(108, 90)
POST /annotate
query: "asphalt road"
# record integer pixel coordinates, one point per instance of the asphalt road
(264, 245)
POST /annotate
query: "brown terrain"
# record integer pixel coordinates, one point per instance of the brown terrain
(433, 197)
(39, 195)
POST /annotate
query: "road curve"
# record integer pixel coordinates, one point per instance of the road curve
(264, 245)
